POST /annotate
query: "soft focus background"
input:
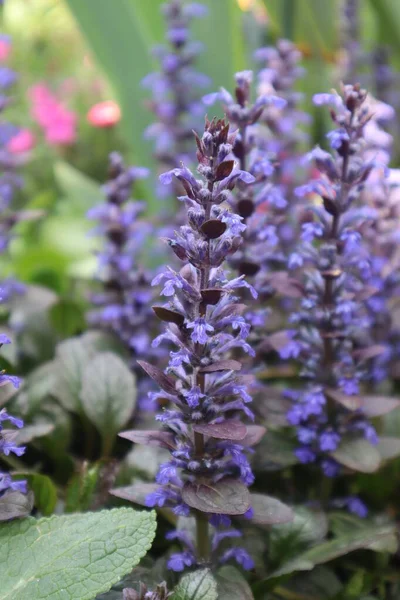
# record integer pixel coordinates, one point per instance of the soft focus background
(85, 53)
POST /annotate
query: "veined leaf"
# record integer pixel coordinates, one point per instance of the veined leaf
(74, 556)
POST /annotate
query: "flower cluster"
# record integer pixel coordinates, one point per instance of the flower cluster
(381, 194)
(208, 473)
(10, 180)
(57, 122)
(281, 140)
(249, 201)
(8, 443)
(350, 31)
(160, 593)
(176, 101)
(333, 263)
(125, 302)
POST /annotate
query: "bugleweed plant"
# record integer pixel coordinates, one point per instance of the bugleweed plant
(228, 373)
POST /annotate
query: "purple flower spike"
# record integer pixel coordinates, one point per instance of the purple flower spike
(124, 306)
(335, 266)
(202, 381)
(176, 102)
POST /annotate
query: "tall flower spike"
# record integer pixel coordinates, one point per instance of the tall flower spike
(208, 473)
(176, 101)
(10, 489)
(259, 237)
(333, 264)
(350, 33)
(281, 140)
(10, 181)
(125, 302)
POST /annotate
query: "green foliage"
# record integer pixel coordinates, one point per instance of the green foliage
(79, 555)
(108, 395)
(44, 491)
(67, 317)
(232, 585)
(81, 488)
(199, 585)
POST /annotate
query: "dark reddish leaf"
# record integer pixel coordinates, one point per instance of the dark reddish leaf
(375, 406)
(224, 169)
(136, 493)
(213, 228)
(14, 505)
(370, 352)
(227, 430)
(222, 365)
(350, 402)
(225, 497)
(248, 268)
(245, 208)
(254, 435)
(199, 143)
(330, 205)
(164, 381)
(178, 249)
(169, 316)
(240, 96)
(162, 439)
(211, 295)
(269, 511)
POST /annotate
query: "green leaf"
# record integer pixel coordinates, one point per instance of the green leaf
(268, 510)
(31, 432)
(36, 387)
(199, 585)
(342, 523)
(44, 492)
(274, 452)
(358, 454)
(387, 16)
(14, 505)
(222, 33)
(232, 585)
(308, 526)
(320, 583)
(388, 447)
(81, 488)
(310, 23)
(108, 393)
(80, 191)
(74, 556)
(340, 546)
(72, 356)
(67, 318)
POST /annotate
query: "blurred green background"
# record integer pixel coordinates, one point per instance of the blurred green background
(88, 51)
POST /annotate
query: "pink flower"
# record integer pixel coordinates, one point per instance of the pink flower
(58, 122)
(61, 133)
(104, 114)
(5, 47)
(22, 142)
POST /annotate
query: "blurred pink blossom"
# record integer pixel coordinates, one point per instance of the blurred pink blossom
(22, 142)
(58, 122)
(104, 114)
(5, 47)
